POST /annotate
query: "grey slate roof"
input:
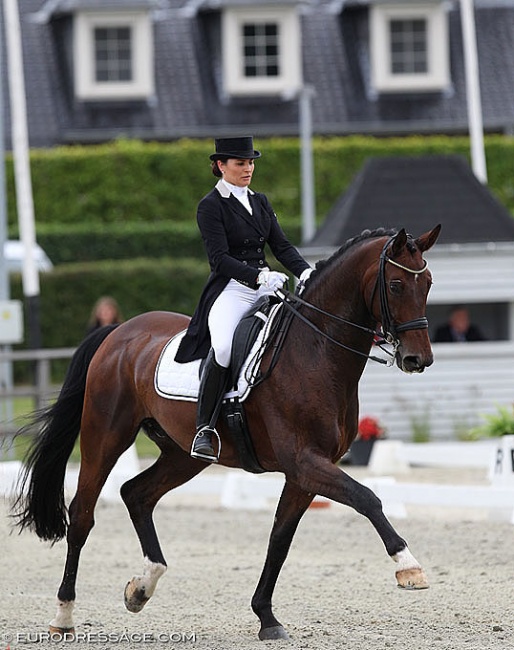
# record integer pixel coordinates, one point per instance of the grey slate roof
(417, 193)
(189, 100)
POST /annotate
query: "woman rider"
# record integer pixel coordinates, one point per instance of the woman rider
(235, 224)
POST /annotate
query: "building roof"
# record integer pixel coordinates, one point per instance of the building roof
(189, 99)
(417, 193)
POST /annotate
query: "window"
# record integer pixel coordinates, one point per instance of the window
(261, 51)
(113, 56)
(409, 48)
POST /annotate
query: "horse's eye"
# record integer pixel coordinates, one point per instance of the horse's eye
(395, 286)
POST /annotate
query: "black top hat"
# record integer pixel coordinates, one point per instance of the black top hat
(241, 148)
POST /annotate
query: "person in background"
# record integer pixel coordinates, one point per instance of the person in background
(106, 311)
(458, 329)
(235, 223)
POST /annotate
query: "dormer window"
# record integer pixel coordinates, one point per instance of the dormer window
(113, 56)
(261, 51)
(409, 47)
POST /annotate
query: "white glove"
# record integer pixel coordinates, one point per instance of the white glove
(305, 275)
(272, 279)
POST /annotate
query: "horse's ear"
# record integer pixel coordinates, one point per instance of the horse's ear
(426, 241)
(399, 242)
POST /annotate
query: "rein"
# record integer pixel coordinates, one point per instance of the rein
(389, 328)
(288, 299)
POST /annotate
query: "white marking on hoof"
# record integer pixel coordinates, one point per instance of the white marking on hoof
(409, 574)
(63, 621)
(140, 589)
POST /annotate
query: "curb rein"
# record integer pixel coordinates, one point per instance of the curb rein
(390, 329)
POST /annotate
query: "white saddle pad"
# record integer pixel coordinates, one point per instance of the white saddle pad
(181, 381)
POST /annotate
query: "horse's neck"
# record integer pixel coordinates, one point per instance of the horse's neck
(340, 294)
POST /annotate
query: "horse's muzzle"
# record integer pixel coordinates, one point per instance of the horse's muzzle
(413, 362)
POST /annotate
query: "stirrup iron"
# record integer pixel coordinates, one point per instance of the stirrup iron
(195, 454)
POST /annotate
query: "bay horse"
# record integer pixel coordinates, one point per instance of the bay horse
(108, 395)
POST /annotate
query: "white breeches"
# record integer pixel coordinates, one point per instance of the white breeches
(226, 312)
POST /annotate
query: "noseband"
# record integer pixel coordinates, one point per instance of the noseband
(389, 327)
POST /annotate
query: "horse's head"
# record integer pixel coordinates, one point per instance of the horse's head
(399, 298)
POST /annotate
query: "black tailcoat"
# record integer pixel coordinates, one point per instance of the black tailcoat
(234, 240)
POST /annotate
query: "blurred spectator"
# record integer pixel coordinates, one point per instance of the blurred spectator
(106, 311)
(458, 329)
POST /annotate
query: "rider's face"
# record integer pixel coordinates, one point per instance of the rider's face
(237, 171)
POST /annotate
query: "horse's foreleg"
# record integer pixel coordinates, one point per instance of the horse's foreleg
(322, 477)
(292, 506)
(141, 494)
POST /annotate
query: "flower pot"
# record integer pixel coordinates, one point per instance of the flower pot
(360, 451)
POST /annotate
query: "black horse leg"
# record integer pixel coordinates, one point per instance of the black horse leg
(292, 506)
(320, 476)
(174, 467)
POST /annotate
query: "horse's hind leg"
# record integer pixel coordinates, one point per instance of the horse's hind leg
(81, 515)
(96, 464)
(174, 467)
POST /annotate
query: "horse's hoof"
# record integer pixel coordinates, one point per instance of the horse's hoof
(412, 579)
(135, 599)
(273, 633)
(61, 633)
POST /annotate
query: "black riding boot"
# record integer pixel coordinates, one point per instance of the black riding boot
(212, 388)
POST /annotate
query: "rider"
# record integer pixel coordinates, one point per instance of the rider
(235, 223)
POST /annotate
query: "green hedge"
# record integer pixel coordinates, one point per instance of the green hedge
(131, 181)
(85, 242)
(70, 290)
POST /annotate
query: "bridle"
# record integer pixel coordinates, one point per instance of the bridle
(390, 329)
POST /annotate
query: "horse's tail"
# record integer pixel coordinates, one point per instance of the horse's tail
(39, 504)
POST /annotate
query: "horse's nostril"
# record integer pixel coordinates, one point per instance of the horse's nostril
(412, 362)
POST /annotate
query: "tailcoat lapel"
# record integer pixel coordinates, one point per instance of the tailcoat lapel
(255, 219)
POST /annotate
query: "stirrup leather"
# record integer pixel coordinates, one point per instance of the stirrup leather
(211, 458)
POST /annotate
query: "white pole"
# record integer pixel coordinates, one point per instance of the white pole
(6, 375)
(307, 166)
(476, 131)
(4, 276)
(24, 200)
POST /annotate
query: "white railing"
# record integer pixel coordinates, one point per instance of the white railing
(42, 389)
(466, 381)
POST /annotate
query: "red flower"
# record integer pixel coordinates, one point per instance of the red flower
(369, 428)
